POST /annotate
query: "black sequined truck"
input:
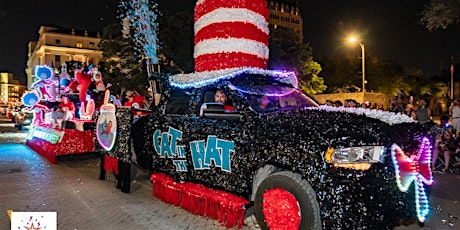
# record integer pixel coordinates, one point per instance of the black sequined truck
(338, 168)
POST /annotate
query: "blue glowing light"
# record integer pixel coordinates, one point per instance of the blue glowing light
(197, 80)
(43, 72)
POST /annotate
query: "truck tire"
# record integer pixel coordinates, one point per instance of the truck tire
(292, 186)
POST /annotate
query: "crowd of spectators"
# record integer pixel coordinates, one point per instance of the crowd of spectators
(446, 150)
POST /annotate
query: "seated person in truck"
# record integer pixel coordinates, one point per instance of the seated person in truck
(221, 97)
(264, 103)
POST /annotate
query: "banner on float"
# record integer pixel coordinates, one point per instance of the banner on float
(51, 135)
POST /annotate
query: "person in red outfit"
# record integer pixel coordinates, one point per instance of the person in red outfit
(133, 100)
(67, 107)
(63, 112)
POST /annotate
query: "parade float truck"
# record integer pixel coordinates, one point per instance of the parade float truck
(52, 138)
(295, 164)
(292, 165)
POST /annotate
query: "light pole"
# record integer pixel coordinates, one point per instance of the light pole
(363, 58)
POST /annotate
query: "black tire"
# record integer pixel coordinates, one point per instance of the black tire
(300, 189)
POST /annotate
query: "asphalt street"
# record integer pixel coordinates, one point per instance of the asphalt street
(28, 182)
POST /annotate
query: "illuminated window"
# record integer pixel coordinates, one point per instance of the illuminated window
(91, 45)
(79, 45)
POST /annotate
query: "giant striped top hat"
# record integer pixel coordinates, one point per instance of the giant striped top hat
(231, 37)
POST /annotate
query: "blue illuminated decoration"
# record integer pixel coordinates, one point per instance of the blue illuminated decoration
(204, 153)
(271, 91)
(414, 168)
(43, 72)
(197, 80)
(30, 98)
(142, 15)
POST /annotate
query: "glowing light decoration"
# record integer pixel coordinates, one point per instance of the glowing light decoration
(87, 110)
(51, 135)
(414, 168)
(31, 100)
(106, 128)
(143, 15)
(45, 75)
(196, 80)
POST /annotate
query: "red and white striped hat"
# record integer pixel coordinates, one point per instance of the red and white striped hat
(230, 36)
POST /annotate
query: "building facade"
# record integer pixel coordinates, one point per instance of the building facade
(56, 46)
(285, 14)
(10, 89)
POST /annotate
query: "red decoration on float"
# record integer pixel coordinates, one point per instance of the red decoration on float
(73, 141)
(226, 39)
(206, 6)
(84, 80)
(225, 207)
(280, 209)
(235, 30)
(111, 164)
(232, 60)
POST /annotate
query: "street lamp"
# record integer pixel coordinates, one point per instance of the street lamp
(363, 58)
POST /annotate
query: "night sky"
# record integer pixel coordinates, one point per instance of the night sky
(389, 29)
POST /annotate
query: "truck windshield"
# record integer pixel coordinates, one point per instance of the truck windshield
(266, 98)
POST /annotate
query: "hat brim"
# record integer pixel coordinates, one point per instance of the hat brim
(199, 79)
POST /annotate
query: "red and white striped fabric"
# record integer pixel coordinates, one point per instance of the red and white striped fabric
(231, 38)
(231, 34)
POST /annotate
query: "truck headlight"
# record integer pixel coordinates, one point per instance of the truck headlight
(355, 157)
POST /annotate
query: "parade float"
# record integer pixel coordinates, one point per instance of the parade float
(48, 136)
(297, 165)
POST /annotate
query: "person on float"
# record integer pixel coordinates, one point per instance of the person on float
(84, 81)
(133, 100)
(63, 112)
(221, 97)
(263, 103)
(97, 87)
(67, 107)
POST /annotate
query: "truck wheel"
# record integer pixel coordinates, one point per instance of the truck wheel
(285, 199)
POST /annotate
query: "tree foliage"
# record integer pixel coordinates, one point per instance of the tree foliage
(440, 14)
(121, 65)
(176, 39)
(288, 53)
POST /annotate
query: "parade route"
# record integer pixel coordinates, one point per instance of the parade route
(28, 182)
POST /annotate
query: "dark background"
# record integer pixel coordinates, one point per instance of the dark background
(389, 29)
